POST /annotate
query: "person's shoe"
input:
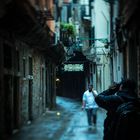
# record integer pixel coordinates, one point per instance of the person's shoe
(90, 127)
(94, 126)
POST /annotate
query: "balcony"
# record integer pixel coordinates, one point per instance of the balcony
(67, 34)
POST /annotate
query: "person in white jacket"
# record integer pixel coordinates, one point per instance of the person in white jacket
(89, 104)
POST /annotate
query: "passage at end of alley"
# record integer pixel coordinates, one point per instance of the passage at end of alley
(66, 122)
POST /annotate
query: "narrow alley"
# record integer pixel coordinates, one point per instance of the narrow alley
(71, 124)
(51, 51)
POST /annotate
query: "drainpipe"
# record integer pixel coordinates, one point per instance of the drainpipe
(111, 34)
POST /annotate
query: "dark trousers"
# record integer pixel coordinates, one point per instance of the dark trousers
(91, 116)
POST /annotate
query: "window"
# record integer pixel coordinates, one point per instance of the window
(17, 58)
(7, 56)
(30, 66)
(24, 67)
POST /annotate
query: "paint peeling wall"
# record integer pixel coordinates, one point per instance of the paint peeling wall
(32, 105)
(28, 84)
(39, 84)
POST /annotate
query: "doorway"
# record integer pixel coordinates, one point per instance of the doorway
(16, 101)
(8, 103)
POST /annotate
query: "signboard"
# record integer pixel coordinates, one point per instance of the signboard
(73, 67)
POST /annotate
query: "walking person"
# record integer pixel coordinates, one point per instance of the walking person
(110, 100)
(89, 104)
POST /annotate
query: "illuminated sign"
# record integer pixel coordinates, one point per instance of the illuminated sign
(73, 67)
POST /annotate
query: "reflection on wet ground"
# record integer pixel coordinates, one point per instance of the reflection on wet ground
(66, 122)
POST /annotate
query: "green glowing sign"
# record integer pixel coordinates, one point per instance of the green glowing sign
(73, 67)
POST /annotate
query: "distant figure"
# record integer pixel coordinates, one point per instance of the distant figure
(90, 105)
(110, 100)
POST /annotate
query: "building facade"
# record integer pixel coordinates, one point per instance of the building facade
(29, 57)
(125, 49)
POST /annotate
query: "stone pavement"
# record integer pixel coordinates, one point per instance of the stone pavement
(79, 130)
(66, 122)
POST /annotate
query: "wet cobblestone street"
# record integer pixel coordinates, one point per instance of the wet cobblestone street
(66, 122)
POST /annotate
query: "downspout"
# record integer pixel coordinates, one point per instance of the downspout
(111, 38)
